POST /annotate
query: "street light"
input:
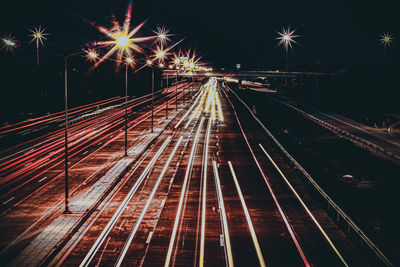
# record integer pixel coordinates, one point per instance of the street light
(38, 35)
(9, 43)
(286, 38)
(65, 57)
(162, 35)
(386, 39)
(121, 40)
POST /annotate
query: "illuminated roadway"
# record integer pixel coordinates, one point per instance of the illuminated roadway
(210, 189)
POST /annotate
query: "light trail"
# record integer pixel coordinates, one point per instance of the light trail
(248, 218)
(178, 213)
(305, 207)
(204, 195)
(227, 240)
(267, 182)
(187, 113)
(88, 258)
(146, 206)
(108, 122)
(196, 111)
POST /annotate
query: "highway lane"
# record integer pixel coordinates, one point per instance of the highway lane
(323, 243)
(127, 229)
(18, 172)
(47, 200)
(263, 222)
(213, 191)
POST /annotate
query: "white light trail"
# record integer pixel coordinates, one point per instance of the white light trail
(305, 207)
(248, 218)
(223, 215)
(178, 213)
(204, 196)
(88, 258)
(146, 206)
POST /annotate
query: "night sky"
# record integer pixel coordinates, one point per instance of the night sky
(226, 32)
(333, 34)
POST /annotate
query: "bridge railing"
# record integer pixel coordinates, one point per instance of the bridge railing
(341, 216)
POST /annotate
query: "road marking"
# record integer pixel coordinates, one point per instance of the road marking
(146, 206)
(305, 207)
(44, 178)
(248, 218)
(149, 237)
(225, 229)
(178, 213)
(5, 202)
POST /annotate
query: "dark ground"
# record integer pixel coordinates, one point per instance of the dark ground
(370, 198)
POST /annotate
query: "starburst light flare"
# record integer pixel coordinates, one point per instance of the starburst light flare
(286, 38)
(121, 40)
(9, 43)
(386, 39)
(162, 35)
(38, 35)
(91, 55)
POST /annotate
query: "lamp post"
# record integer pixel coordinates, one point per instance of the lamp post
(286, 38)
(128, 62)
(66, 209)
(166, 102)
(9, 43)
(149, 63)
(38, 35)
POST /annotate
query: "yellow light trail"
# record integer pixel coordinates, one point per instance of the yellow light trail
(248, 218)
(305, 207)
(178, 213)
(209, 102)
(227, 239)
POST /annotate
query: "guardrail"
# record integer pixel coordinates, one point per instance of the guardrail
(340, 214)
(351, 137)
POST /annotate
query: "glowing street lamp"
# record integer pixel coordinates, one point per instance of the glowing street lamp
(121, 40)
(91, 55)
(162, 35)
(38, 35)
(386, 39)
(286, 38)
(9, 43)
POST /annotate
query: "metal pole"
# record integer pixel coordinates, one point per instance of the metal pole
(152, 98)
(176, 90)
(287, 61)
(37, 52)
(66, 211)
(126, 110)
(166, 102)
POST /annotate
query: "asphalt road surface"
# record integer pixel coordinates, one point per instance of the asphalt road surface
(210, 189)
